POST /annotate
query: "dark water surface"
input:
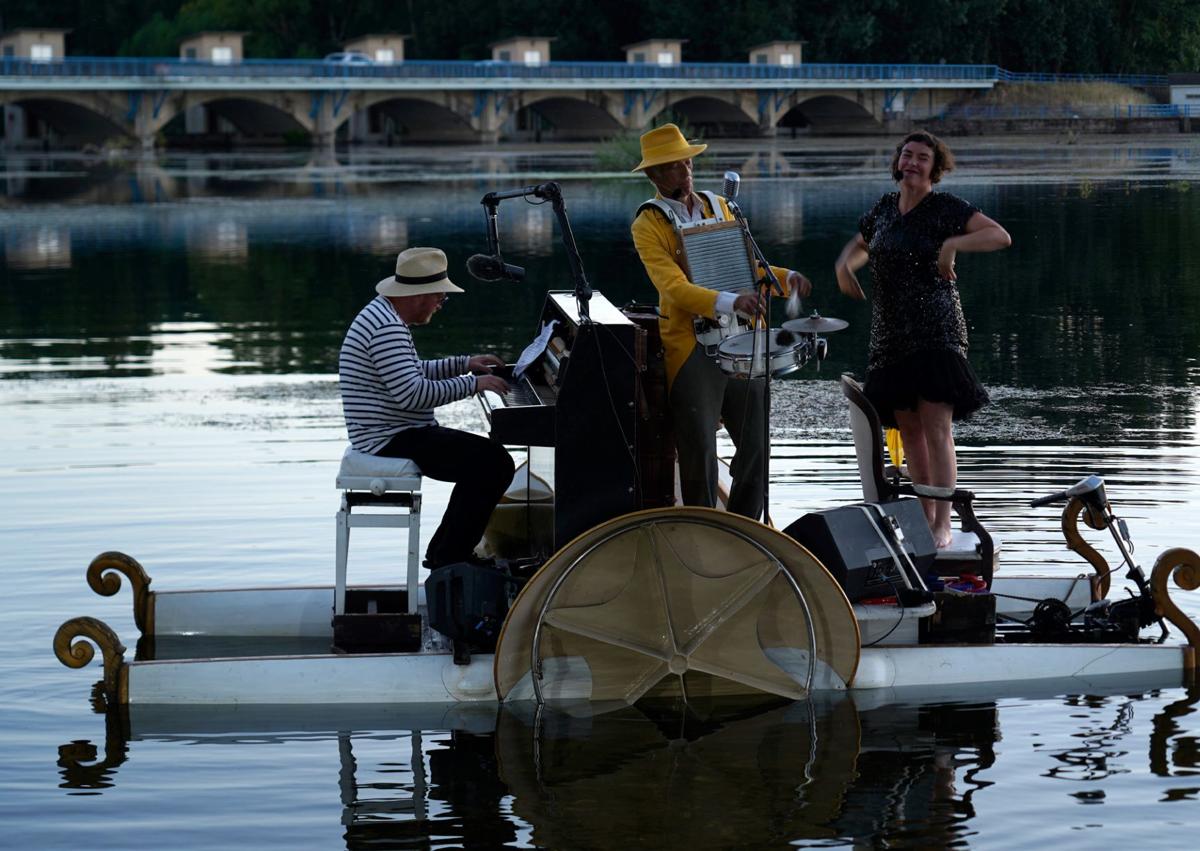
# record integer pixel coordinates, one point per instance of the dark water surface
(168, 343)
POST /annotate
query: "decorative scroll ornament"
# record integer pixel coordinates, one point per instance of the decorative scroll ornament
(81, 767)
(1169, 729)
(1183, 566)
(77, 654)
(103, 577)
(1075, 542)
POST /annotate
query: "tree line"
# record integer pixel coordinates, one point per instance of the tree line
(1063, 36)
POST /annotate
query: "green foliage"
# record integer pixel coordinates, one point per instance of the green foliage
(622, 152)
(297, 138)
(1084, 36)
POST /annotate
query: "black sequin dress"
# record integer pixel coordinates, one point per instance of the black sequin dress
(918, 344)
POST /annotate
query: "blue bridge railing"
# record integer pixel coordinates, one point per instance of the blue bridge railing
(1014, 113)
(488, 69)
(141, 67)
(1140, 80)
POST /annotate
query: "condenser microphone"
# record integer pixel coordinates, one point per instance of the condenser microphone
(733, 182)
(489, 267)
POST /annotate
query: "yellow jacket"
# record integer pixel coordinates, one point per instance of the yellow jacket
(679, 300)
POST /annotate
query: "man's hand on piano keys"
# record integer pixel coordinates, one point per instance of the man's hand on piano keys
(494, 383)
(483, 364)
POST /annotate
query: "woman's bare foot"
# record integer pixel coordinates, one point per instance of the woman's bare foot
(942, 538)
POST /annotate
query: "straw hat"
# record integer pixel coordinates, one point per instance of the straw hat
(666, 145)
(418, 271)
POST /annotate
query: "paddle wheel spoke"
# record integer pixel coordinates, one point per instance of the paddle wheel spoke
(679, 601)
(783, 685)
(714, 621)
(560, 619)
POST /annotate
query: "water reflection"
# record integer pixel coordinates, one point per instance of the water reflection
(45, 247)
(1096, 294)
(222, 241)
(380, 234)
(729, 774)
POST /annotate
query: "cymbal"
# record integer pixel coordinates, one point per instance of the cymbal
(815, 324)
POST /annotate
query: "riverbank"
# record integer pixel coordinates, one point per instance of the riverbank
(1006, 122)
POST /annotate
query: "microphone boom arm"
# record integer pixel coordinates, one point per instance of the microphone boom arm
(493, 233)
(552, 192)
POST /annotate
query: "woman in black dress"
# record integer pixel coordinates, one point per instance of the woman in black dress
(918, 377)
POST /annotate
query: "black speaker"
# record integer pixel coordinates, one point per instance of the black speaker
(468, 602)
(848, 541)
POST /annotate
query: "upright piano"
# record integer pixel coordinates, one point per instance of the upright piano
(596, 395)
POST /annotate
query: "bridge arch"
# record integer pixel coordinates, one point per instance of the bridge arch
(712, 115)
(64, 117)
(564, 116)
(827, 114)
(259, 117)
(389, 117)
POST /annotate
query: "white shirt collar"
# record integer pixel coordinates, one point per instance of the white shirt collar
(681, 210)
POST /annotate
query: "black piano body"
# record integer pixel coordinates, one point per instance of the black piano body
(596, 396)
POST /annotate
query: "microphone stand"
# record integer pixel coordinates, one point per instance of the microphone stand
(764, 296)
(551, 192)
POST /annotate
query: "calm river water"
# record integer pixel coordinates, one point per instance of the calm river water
(168, 341)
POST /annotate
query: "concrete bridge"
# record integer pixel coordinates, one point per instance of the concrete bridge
(148, 102)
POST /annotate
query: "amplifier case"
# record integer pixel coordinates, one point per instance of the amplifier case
(848, 544)
(468, 602)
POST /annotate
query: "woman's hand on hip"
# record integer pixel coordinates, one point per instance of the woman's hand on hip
(946, 258)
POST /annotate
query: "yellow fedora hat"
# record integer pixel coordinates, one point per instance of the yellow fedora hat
(666, 145)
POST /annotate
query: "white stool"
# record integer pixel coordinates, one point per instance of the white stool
(373, 480)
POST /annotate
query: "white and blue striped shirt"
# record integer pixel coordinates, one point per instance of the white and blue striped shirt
(386, 388)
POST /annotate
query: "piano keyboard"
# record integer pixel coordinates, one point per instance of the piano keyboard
(521, 393)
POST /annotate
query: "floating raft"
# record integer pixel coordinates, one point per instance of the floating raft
(671, 602)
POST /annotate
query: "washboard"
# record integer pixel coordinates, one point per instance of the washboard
(718, 256)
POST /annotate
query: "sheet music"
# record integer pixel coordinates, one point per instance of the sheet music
(534, 349)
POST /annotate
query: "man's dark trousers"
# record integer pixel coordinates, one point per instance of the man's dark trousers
(481, 470)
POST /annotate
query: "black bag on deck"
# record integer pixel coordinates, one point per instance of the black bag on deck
(856, 543)
(468, 602)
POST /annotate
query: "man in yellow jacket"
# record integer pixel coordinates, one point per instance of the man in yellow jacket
(700, 395)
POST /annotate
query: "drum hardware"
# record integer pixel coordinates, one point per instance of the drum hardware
(744, 355)
(710, 333)
(815, 324)
(820, 346)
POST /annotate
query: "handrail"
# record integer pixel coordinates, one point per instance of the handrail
(1001, 112)
(117, 66)
(1043, 77)
(82, 66)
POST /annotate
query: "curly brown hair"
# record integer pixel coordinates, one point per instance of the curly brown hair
(943, 158)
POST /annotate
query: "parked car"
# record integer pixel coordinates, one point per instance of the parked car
(349, 57)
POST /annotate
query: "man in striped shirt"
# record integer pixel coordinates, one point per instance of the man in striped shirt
(389, 395)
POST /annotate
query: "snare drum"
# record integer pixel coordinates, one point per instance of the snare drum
(710, 333)
(734, 355)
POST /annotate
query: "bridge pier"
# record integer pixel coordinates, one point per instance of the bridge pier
(487, 113)
(138, 98)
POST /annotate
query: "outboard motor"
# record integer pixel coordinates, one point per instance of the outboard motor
(1103, 620)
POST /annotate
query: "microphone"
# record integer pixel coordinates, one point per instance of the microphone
(733, 182)
(489, 267)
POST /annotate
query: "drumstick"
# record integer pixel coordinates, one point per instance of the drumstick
(792, 308)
